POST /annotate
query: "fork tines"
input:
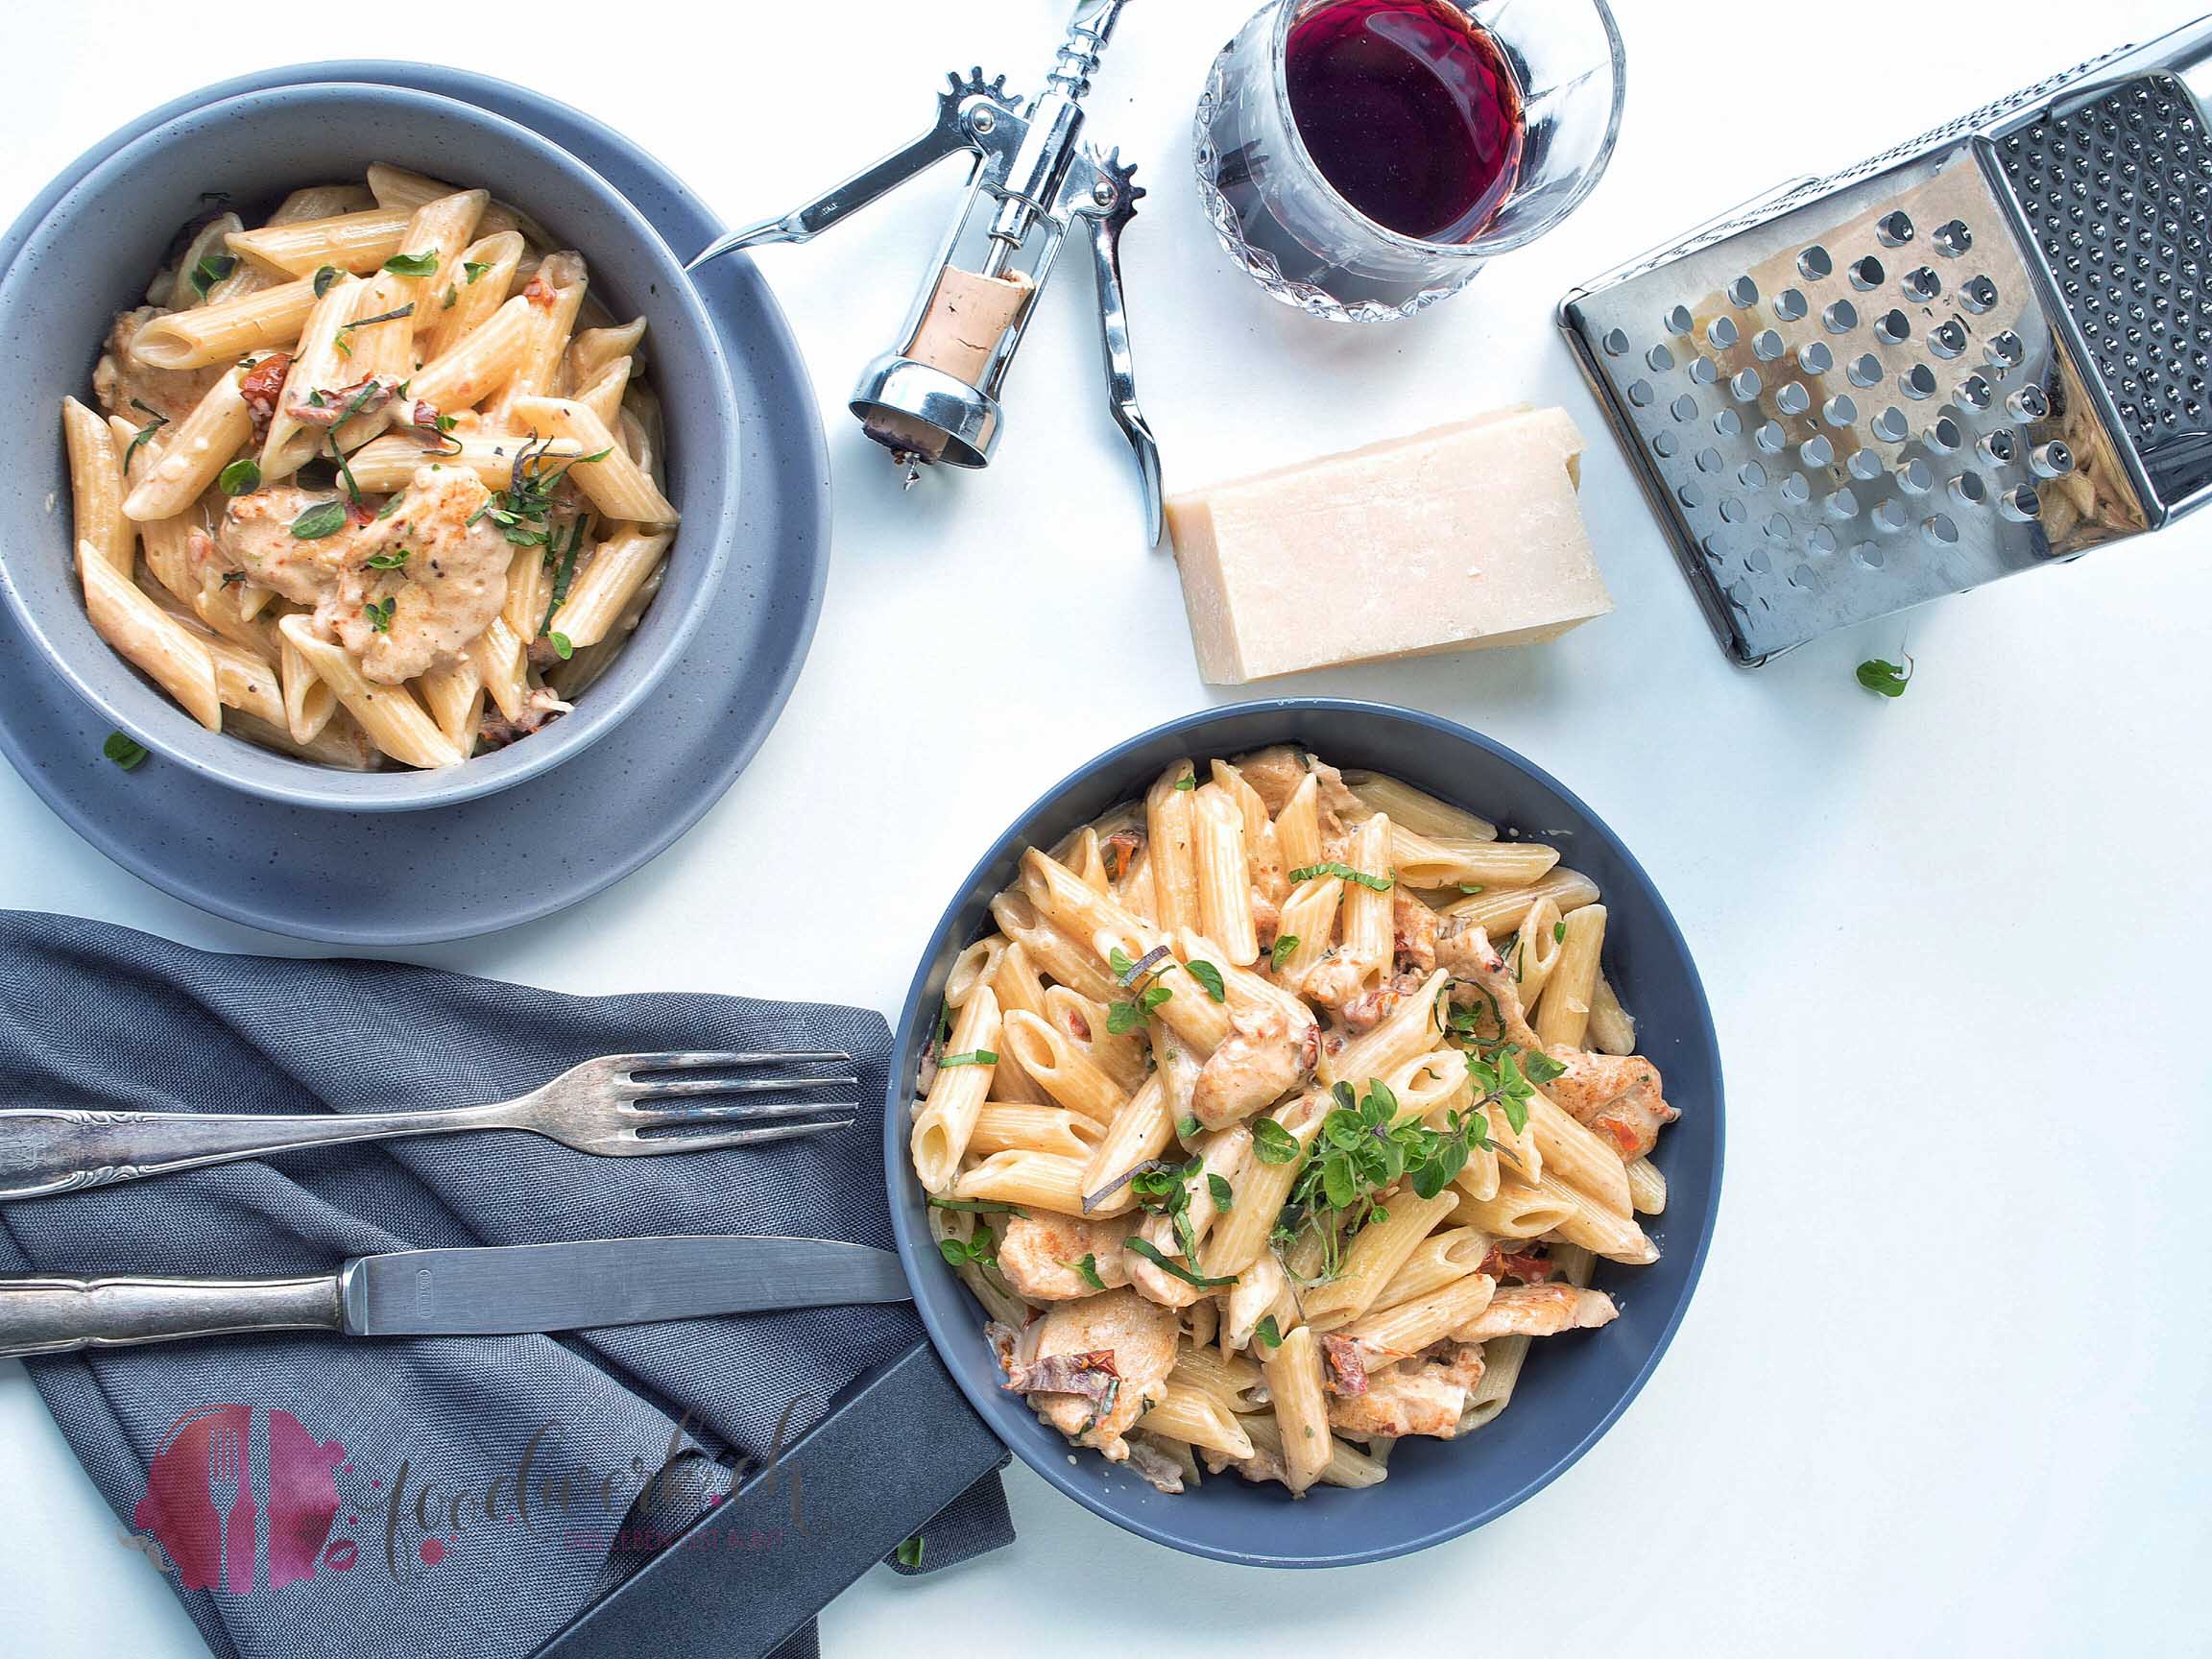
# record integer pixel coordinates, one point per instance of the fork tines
(787, 1080)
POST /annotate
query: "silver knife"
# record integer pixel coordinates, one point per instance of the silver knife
(497, 1291)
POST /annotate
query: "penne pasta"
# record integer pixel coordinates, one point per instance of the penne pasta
(391, 716)
(1562, 1015)
(149, 638)
(948, 1115)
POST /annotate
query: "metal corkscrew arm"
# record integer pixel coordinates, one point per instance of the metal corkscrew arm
(934, 397)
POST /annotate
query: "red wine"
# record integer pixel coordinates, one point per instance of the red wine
(1409, 111)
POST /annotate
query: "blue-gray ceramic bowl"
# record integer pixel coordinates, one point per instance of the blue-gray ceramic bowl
(1572, 1388)
(91, 255)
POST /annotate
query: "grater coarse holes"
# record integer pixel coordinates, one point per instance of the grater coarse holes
(1861, 392)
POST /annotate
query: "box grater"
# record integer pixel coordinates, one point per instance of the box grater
(1978, 352)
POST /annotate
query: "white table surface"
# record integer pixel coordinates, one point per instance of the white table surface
(1943, 1387)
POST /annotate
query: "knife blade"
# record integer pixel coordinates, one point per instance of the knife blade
(496, 1290)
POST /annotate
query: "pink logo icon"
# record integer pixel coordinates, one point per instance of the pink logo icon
(201, 1507)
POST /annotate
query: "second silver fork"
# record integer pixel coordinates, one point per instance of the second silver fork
(619, 1105)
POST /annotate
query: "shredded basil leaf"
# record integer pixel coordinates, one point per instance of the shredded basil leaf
(242, 477)
(411, 264)
(324, 518)
(212, 269)
(973, 1057)
(126, 752)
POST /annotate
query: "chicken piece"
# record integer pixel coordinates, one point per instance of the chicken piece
(1343, 1368)
(1616, 1095)
(1413, 929)
(1538, 1311)
(1139, 1335)
(540, 709)
(122, 383)
(1040, 1255)
(448, 582)
(1270, 1051)
(1277, 772)
(1419, 1397)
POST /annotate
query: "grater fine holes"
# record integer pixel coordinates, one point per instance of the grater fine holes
(1767, 346)
(1867, 554)
(2021, 504)
(1814, 358)
(1679, 321)
(1940, 530)
(1790, 305)
(2027, 404)
(1801, 576)
(1864, 466)
(1921, 284)
(1889, 426)
(1615, 342)
(1915, 478)
(1720, 334)
(1664, 446)
(1974, 391)
(1731, 509)
(1866, 275)
(1947, 340)
(1752, 476)
(1778, 529)
(1953, 238)
(1691, 494)
(1865, 371)
(1978, 295)
(1684, 408)
(2052, 460)
(1815, 265)
(1969, 489)
(1795, 491)
(1839, 411)
(1893, 230)
(2000, 446)
(1708, 460)
(1792, 400)
(1756, 561)
(1744, 293)
(1641, 393)
(1816, 452)
(1889, 517)
(1917, 382)
(1822, 540)
(1894, 328)
(1840, 318)
(1703, 372)
(1745, 385)
(1659, 359)
(1728, 424)
(2006, 349)
(1841, 506)
(1771, 438)
(1943, 436)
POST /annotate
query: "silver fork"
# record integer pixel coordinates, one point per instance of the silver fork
(616, 1106)
(224, 1470)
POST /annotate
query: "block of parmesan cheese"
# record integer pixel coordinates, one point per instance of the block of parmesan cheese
(1450, 539)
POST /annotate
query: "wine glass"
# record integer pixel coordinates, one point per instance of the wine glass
(1538, 83)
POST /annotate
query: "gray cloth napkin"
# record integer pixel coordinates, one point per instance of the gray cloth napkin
(328, 1429)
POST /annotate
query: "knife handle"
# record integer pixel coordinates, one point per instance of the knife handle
(62, 1312)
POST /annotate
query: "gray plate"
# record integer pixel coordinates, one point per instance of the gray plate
(405, 879)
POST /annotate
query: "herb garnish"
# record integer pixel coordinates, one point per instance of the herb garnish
(1470, 888)
(564, 564)
(452, 294)
(389, 560)
(1125, 1017)
(960, 1252)
(126, 752)
(411, 264)
(146, 432)
(212, 269)
(1558, 933)
(1889, 678)
(1087, 1270)
(324, 518)
(1268, 1332)
(975, 1206)
(346, 344)
(1274, 1143)
(325, 276)
(379, 615)
(1207, 975)
(1372, 883)
(1286, 948)
(1217, 1188)
(563, 648)
(242, 477)
(1167, 1265)
(1506, 1076)
(1186, 782)
(973, 1057)
(475, 269)
(909, 1553)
